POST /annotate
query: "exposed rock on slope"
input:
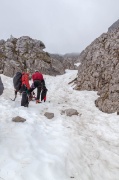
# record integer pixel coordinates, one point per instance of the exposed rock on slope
(114, 26)
(25, 52)
(99, 70)
(68, 60)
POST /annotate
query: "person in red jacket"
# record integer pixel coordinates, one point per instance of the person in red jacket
(25, 80)
(39, 83)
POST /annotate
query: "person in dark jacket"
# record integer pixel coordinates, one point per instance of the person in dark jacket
(39, 83)
(1, 87)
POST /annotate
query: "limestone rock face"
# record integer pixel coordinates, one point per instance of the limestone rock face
(64, 62)
(99, 70)
(114, 26)
(57, 65)
(26, 53)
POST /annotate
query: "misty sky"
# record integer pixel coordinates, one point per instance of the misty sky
(64, 26)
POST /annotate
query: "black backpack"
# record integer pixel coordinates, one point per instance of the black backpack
(17, 81)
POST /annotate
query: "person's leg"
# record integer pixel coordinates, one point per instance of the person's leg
(30, 90)
(38, 94)
(30, 96)
(30, 93)
(24, 99)
(37, 84)
(43, 93)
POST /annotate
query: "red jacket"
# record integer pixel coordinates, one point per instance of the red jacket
(25, 80)
(37, 76)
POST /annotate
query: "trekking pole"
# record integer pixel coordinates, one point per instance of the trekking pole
(15, 96)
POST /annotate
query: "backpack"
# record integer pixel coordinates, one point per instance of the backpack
(17, 82)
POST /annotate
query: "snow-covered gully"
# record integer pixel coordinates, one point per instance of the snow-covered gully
(83, 147)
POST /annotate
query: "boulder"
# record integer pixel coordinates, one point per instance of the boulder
(71, 112)
(18, 119)
(49, 115)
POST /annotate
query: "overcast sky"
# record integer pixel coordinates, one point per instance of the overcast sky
(64, 26)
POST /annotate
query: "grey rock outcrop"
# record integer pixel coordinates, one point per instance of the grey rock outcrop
(57, 66)
(25, 52)
(70, 60)
(71, 112)
(49, 115)
(10, 67)
(17, 54)
(99, 70)
(114, 26)
(18, 119)
(67, 61)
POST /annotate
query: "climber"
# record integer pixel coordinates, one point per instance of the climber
(39, 83)
(21, 84)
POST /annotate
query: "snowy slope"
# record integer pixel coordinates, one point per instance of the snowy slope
(84, 147)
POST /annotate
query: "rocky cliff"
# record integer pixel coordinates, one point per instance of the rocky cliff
(25, 52)
(114, 26)
(68, 60)
(99, 70)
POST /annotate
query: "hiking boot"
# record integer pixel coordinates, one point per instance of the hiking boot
(37, 101)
